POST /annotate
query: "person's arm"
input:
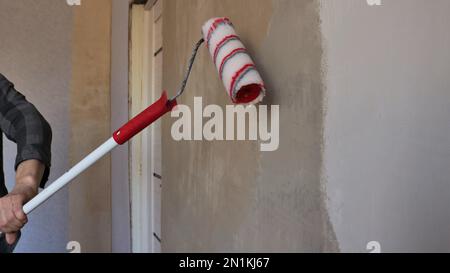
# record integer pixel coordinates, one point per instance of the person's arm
(22, 123)
(28, 177)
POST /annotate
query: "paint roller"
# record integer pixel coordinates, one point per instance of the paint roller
(235, 66)
(236, 69)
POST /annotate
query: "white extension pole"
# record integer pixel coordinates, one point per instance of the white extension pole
(76, 170)
(121, 136)
(69, 176)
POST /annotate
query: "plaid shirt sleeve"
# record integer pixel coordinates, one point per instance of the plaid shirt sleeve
(22, 123)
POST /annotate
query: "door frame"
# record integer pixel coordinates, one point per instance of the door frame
(145, 148)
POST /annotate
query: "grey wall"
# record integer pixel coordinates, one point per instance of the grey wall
(35, 54)
(119, 115)
(387, 131)
(229, 196)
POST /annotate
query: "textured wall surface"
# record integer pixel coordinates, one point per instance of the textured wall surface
(35, 54)
(90, 194)
(387, 133)
(229, 196)
(119, 115)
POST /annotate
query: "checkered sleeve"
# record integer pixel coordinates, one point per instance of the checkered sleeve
(22, 123)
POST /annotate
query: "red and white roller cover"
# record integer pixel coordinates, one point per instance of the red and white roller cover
(235, 66)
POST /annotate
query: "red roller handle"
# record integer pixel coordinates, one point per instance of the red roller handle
(144, 119)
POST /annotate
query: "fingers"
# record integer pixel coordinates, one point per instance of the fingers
(9, 222)
(19, 213)
(11, 238)
(12, 217)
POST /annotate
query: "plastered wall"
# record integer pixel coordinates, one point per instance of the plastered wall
(387, 137)
(229, 196)
(119, 115)
(90, 195)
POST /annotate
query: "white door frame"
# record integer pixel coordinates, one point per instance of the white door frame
(145, 149)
